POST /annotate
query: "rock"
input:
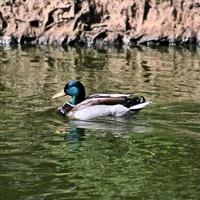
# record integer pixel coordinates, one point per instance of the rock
(90, 22)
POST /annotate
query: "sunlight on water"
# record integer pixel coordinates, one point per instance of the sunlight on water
(153, 155)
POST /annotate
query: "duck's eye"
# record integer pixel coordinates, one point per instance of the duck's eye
(72, 91)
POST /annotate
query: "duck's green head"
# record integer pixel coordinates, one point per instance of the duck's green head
(75, 89)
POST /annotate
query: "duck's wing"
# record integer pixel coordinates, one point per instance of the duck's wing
(100, 100)
(108, 96)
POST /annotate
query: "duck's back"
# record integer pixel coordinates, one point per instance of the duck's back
(111, 99)
(102, 95)
(100, 99)
(100, 103)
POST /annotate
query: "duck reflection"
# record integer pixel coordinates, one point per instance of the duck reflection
(74, 137)
(121, 127)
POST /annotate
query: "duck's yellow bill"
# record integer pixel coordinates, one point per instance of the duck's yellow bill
(59, 94)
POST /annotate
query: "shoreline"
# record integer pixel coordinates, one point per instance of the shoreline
(100, 23)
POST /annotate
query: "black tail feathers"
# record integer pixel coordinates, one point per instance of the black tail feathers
(129, 102)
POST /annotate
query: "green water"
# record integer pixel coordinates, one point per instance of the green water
(154, 155)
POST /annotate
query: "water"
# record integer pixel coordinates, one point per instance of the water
(154, 155)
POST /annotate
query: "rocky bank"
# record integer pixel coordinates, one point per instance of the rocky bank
(104, 22)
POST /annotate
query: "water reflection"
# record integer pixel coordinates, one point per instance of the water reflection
(74, 136)
(173, 72)
(153, 155)
(74, 130)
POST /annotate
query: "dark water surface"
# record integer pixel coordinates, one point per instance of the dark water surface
(154, 155)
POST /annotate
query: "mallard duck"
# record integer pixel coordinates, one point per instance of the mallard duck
(96, 105)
